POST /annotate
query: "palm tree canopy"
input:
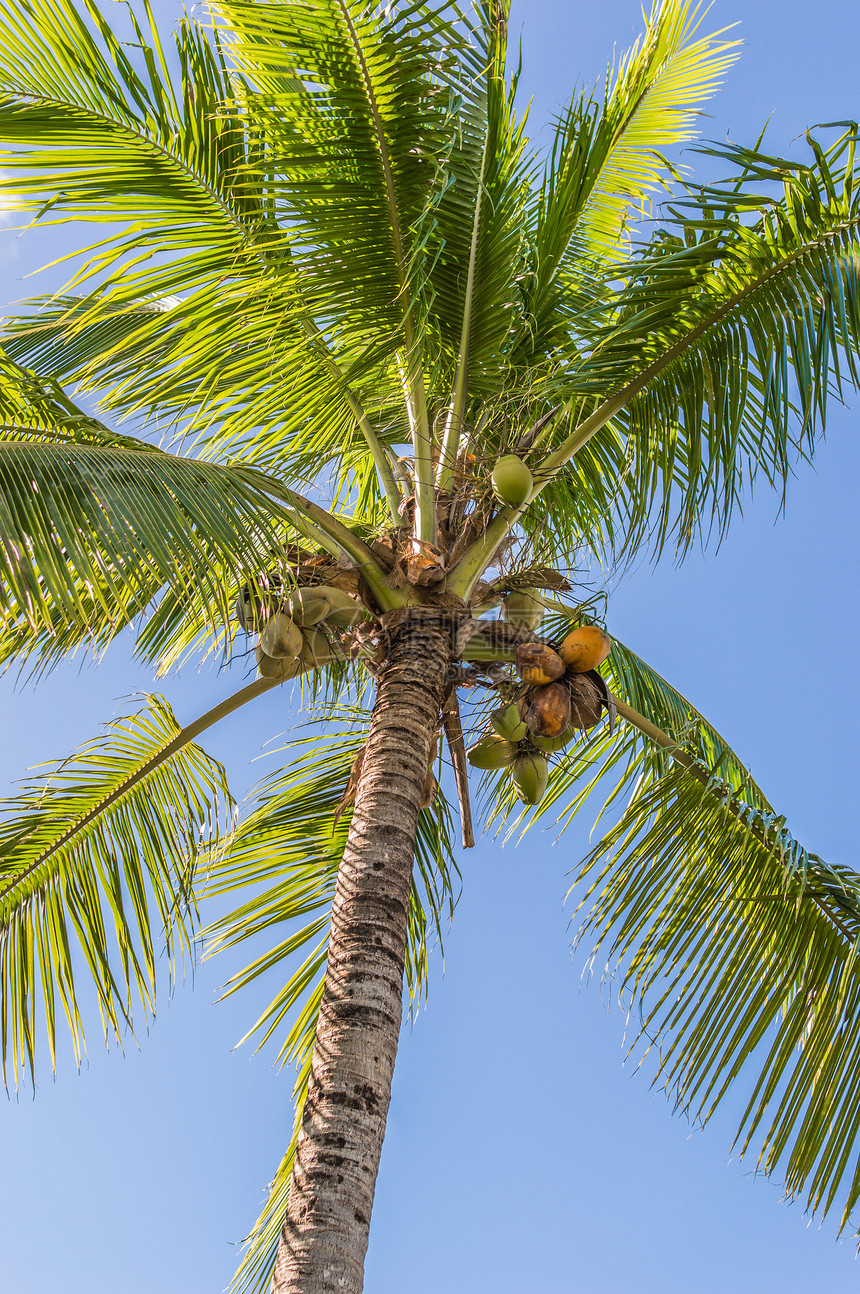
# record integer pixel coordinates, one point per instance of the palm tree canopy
(341, 281)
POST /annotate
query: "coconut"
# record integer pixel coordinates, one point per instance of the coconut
(538, 664)
(586, 702)
(316, 649)
(491, 751)
(308, 606)
(552, 744)
(584, 648)
(507, 723)
(323, 603)
(345, 611)
(546, 710)
(281, 637)
(512, 481)
(249, 612)
(530, 774)
(276, 667)
(525, 609)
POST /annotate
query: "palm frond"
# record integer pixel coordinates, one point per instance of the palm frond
(99, 135)
(89, 529)
(651, 101)
(479, 221)
(714, 366)
(736, 946)
(607, 161)
(35, 408)
(97, 862)
(346, 96)
(288, 850)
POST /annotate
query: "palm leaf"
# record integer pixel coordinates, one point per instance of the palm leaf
(712, 369)
(343, 93)
(100, 137)
(78, 517)
(479, 220)
(735, 944)
(97, 863)
(288, 850)
(607, 159)
(750, 325)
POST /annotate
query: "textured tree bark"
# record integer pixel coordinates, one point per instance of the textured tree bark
(324, 1239)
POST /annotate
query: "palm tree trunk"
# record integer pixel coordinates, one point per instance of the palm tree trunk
(324, 1239)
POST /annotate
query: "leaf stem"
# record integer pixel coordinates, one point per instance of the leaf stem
(454, 426)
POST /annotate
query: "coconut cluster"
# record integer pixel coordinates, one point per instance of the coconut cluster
(563, 694)
(297, 634)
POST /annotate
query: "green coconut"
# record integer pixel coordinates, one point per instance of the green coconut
(512, 481)
(530, 774)
(508, 724)
(552, 744)
(323, 603)
(249, 612)
(281, 638)
(279, 668)
(491, 751)
(523, 608)
(316, 649)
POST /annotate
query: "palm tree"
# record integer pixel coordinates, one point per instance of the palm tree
(345, 283)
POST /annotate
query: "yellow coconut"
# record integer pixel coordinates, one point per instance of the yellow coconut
(512, 481)
(530, 774)
(538, 664)
(584, 648)
(491, 751)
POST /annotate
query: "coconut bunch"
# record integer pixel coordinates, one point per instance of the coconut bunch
(300, 632)
(563, 695)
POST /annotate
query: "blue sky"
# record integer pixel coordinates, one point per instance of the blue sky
(522, 1156)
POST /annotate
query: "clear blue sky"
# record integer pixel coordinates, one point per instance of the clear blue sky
(522, 1157)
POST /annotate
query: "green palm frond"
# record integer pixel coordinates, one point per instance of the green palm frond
(735, 944)
(713, 367)
(98, 136)
(97, 862)
(33, 408)
(612, 163)
(607, 160)
(744, 333)
(479, 221)
(348, 100)
(739, 950)
(76, 517)
(288, 850)
(99, 530)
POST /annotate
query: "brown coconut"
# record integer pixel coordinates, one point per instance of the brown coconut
(546, 710)
(586, 702)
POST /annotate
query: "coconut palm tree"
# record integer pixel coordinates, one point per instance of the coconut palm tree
(408, 369)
